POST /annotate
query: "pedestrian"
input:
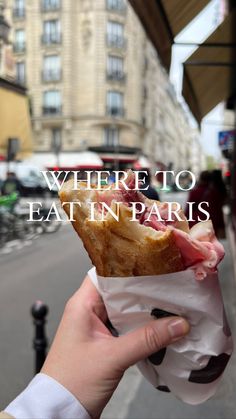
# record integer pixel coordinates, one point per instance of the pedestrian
(86, 363)
(197, 195)
(1, 183)
(11, 184)
(150, 192)
(217, 198)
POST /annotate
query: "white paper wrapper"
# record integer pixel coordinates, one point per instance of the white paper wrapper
(192, 367)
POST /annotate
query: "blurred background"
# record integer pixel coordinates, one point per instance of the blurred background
(109, 85)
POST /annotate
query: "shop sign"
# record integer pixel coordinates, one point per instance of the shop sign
(226, 139)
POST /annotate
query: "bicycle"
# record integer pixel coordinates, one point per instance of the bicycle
(14, 221)
(11, 225)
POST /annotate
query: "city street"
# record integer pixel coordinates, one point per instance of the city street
(51, 269)
(92, 89)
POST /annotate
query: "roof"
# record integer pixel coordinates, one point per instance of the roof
(13, 86)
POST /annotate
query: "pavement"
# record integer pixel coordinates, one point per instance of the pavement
(51, 268)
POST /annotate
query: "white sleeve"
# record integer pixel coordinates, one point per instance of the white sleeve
(45, 398)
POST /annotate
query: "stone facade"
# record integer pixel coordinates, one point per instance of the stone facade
(141, 112)
(168, 135)
(197, 157)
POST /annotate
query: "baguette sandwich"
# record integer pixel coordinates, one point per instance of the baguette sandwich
(140, 247)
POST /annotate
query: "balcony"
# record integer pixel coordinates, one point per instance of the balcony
(49, 6)
(51, 39)
(116, 41)
(19, 47)
(116, 75)
(18, 13)
(51, 110)
(51, 75)
(118, 6)
(115, 111)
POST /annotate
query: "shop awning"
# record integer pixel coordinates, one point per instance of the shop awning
(122, 158)
(164, 19)
(121, 153)
(114, 149)
(142, 163)
(209, 71)
(82, 160)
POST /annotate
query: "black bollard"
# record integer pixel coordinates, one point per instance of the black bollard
(39, 312)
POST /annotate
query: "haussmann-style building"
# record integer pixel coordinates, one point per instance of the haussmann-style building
(95, 82)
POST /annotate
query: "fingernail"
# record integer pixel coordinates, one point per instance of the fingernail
(178, 328)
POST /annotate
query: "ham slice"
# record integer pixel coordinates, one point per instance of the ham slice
(199, 248)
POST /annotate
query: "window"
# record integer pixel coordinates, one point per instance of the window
(115, 34)
(20, 72)
(19, 9)
(51, 5)
(111, 136)
(145, 92)
(52, 102)
(117, 5)
(19, 40)
(56, 140)
(52, 68)
(115, 67)
(115, 104)
(51, 32)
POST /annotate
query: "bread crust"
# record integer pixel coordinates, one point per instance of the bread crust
(124, 248)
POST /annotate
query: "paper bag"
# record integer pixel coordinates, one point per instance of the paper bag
(192, 367)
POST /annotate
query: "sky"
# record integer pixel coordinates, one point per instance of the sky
(197, 31)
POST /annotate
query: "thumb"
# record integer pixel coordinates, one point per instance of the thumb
(143, 342)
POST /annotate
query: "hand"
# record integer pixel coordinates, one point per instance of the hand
(87, 360)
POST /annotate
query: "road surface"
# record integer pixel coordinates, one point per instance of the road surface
(50, 269)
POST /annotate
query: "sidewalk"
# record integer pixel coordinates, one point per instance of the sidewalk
(136, 399)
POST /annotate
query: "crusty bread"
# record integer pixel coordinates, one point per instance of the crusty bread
(124, 248)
